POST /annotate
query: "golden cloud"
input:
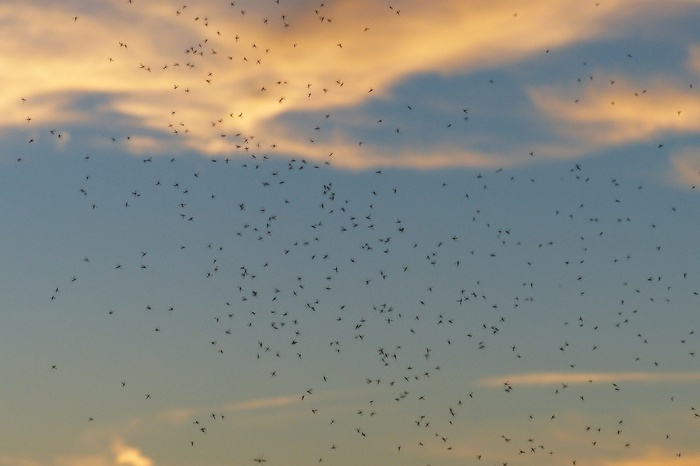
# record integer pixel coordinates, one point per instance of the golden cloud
(657, 457)
(183, 415)
(557, 378)
(611, 114)
(215, 77)
(121, 454)
(130, 456)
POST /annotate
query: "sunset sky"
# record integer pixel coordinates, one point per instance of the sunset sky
(284, 232)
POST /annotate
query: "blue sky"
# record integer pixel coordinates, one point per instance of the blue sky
(349, 233)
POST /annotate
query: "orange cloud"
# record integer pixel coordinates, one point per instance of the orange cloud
(130, 456)
(611, 114)
(183, 415)
(556, 378)
(121, 455)
(656, 457)
(185, 71)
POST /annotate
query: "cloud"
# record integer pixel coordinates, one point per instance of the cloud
(130, 456)
(92, 460)
(184, 415)
(612, 114)
(694, 58)
(657, 457)
(557, 378)
(685, 168)
(121, 454)
(433, 158)
(6, 460)
(600, 115)
(262, 403)
(165, 70)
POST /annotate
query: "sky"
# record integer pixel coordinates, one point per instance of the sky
(288, 232)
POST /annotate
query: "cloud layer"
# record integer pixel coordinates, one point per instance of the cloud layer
(227, 80)
(557, 378)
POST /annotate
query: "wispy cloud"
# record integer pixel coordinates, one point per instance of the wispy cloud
(657, 457)
(120, 454)
(613, 114)
(685, 167)
(91, 460)
(261, 403)
(557, 378)
(186, 414)
(215, 88)
(694, 58)
(6, 460)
